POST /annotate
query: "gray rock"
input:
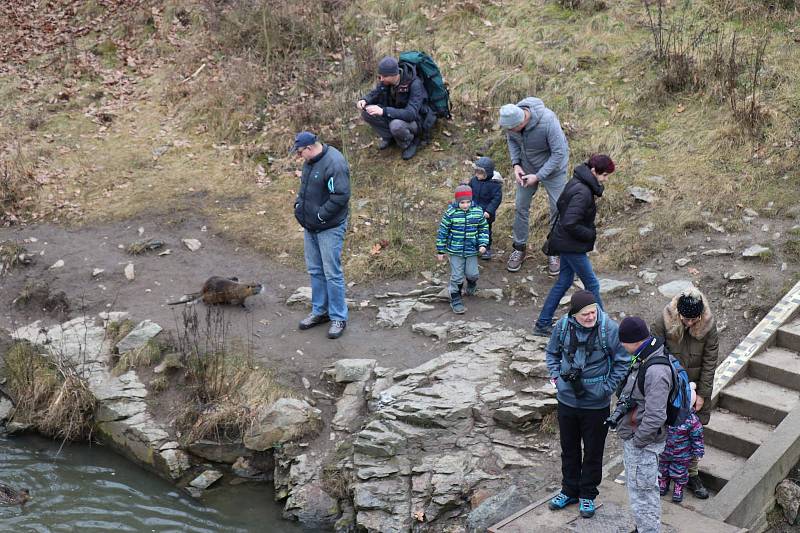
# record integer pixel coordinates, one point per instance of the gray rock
(489, 294)
(647, 229)
(244, 468)
(788, 497)
(219, 452)
(14, 428)
(301, 296)
(610, 232)
(138, 337)
(349, 370)
(192, 244)
(5, 409)
(717, 252)
(683, 261)
(432, 330)
(608, 286)
(495, 508)
(350, 407)
(206, 479)
(756, 251)
(657, 180)
(285, 420)
(674, 287)
(177, 462)
(642, 195)
(648, 277)
(716, 227)
(395, 313)
(751, 212)
(741, 277)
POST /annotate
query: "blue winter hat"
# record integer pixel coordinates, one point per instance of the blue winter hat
(303, 139)
(388, 66)
(486, 164)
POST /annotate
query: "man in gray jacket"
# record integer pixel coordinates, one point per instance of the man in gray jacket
(539, 154)
(643, 427)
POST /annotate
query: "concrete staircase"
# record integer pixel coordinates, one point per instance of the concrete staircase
(750, 409)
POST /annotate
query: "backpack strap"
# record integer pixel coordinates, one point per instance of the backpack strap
(655, 360)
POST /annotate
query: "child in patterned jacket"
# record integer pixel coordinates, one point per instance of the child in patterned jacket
(683, 443)
(463, 234)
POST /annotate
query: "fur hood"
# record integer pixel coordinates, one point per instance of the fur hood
(672, 320)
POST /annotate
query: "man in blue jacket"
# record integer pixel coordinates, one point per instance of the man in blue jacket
(586, 362)
(321, 208)
(397, 107)
(539, 154)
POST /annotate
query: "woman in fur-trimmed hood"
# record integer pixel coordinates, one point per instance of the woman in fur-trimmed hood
(690, 333)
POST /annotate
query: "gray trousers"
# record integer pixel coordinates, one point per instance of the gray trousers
(401, 131)
(522, 206)
(461, 267)
(641, 475)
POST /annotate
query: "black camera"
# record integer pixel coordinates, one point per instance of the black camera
(623, 406)
(573, 377)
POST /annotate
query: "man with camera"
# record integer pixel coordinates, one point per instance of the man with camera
(586, 363)
(641, 417)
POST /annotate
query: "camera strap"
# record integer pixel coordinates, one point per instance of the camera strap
(574, 344)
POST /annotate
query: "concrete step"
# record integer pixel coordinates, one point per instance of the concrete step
(789, 336)
(717, 467)
(777, 365)
(735, 434)
(760, 400)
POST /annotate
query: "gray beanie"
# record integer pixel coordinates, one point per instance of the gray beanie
(388, 66)
(511, 116)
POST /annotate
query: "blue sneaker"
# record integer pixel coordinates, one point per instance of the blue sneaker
(587, 508)
(561, 501)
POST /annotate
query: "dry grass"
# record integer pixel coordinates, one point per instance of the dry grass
(49, 393)
(549, 423)
(118, 329)
(11, 255)
(144, 356)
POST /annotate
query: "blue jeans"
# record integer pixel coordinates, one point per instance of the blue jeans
(323, 251)
(461, 267)
(571, 264)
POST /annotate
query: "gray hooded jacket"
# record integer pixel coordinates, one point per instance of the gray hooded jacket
(541, 147)
(646, 421)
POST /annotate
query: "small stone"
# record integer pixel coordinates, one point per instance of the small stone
(192, 244)
(716, 227)
(787, 495)
(765, 228)
(301, 295)
(496, 294)
(683, 261)
(165, 252)
(349, 370)
(610, 232)
(642, 195)
(755, 251)
(97, 271)
(740, 276)
(717, 252)
(129, 273)
(306, 383)
(673, 288)
(57, 264)
(206, 479)
(751, 212)
(648, 277)
(646, 229)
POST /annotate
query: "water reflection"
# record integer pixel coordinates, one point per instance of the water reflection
(89, 489)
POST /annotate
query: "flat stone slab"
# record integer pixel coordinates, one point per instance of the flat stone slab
(206, 479)
(673, 288)
(641, 194)
(348, 370)
(755, 251)
(717, 252)
(138, 337)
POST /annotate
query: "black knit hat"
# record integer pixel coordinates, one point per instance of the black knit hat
(689, 306)
(580, 300)
(633, 329)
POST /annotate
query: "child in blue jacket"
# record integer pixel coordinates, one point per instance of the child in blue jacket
(487, 192)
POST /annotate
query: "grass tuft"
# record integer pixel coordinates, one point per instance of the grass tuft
(144, 356)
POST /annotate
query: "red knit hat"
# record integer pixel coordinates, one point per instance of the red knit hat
(463, 192)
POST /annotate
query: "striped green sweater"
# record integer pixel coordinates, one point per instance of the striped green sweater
(462, 232)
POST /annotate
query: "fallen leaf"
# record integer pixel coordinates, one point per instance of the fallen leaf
(376, 249)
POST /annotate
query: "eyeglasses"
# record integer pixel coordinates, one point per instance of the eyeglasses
(300, 150)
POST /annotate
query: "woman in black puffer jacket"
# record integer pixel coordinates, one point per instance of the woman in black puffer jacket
(574, 234)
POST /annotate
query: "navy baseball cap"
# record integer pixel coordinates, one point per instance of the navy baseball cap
(303, 139)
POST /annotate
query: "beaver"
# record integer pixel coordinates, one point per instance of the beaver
(218, 290)
(11, 496)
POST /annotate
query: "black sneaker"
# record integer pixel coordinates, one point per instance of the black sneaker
(539, 331)
(411, 151)
(385, 143)
(314, 320)
(336, 329)
(697, 488)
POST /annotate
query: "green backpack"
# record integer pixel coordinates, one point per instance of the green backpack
(431, 76)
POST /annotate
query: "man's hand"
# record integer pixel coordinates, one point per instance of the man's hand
(482, 249)
(374, 110)
(518, 173)
(361, 104)
(530, 180)
(440, 257)
(698, 403)
(486, 215)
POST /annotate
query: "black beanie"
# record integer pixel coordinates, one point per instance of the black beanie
(689, 306)
(633, 329)
(580, 300)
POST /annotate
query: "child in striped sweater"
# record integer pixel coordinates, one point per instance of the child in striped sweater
(463, 234)
(683, 443)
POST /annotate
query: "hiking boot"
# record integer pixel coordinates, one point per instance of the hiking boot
(385, 143)
(553, 265)
(561, 501)
(697, 488)
(539, 331)
(410, 151)
(663, 485)
(515, 260)
(456, 304)
(586, 507)
(677, 493)
(487, 255)
(314, 320)
(472, 288)
(336, 329)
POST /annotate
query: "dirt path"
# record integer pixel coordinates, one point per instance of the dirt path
(274, 325)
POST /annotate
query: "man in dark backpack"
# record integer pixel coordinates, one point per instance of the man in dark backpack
(642, 427)
(397, 107)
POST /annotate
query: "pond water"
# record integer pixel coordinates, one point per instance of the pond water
(90, 488)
